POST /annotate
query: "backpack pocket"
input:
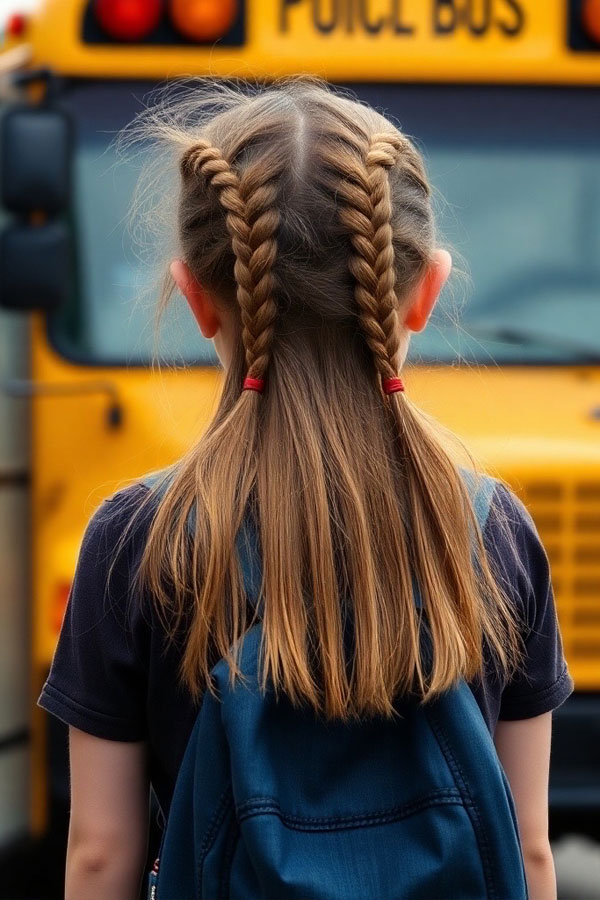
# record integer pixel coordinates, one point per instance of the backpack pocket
(426, 848)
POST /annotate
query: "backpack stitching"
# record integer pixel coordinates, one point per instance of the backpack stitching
(266, 805)
(231, 842)
(469, 803)
(225, 803)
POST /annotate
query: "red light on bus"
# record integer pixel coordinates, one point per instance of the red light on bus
(590, 18)
(128, 20)
(59, 604)
(203, 20)
(16, 25)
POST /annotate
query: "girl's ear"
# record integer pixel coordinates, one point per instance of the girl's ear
(199, 300)
(428, 290)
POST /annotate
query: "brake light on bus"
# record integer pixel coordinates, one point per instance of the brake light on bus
(203, 20)
(59, 605)
(128, 20)
(16, 25)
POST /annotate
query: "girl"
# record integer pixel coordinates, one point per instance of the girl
(308, 255)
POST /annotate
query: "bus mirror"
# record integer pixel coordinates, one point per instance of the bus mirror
(35, 266)
(35, 159)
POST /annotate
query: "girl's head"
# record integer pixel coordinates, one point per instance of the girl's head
(317, 219)
(308, 252)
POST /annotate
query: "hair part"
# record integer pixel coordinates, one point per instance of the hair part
(309, 215)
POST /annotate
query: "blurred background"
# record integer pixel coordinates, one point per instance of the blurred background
(503, 98)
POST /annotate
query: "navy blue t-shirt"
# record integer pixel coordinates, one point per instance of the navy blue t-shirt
(114, 674)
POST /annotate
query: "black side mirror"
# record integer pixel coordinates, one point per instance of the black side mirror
(35, 266)
(35, 160)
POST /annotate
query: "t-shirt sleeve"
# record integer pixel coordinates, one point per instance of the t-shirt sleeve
(98, 678)
(542, 681)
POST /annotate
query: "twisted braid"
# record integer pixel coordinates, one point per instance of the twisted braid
(367, 214)
(252, 220)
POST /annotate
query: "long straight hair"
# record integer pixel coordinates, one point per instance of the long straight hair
(309, 216)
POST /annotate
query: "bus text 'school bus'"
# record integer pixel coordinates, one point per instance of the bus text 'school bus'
(504, 98)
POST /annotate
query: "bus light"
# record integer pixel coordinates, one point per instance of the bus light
(59, 606)
(128, 20)
(16, 25)
(590, 18)
(203, 20)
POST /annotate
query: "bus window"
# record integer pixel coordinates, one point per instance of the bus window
(517, 167)
(111, 320)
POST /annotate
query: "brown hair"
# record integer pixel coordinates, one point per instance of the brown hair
(310, 215)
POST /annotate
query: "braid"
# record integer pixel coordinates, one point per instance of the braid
(252, 220)
(259, 315)
(367, 214)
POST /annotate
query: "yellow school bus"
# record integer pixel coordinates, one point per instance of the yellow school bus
(503, 96)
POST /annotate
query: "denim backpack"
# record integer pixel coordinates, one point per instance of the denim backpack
(271, 802)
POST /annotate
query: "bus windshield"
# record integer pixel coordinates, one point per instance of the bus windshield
(516, 175)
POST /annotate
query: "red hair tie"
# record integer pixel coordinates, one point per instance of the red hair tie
(392, 385)
(253, 384)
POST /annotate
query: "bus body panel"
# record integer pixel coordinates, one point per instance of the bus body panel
(388, 40)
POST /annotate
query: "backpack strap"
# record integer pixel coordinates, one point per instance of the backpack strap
(481, 491)
(153, 478)
(248, 548)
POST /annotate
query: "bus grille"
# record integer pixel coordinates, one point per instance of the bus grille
(568, 519)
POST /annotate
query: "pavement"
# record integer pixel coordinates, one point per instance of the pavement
(577, 861)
